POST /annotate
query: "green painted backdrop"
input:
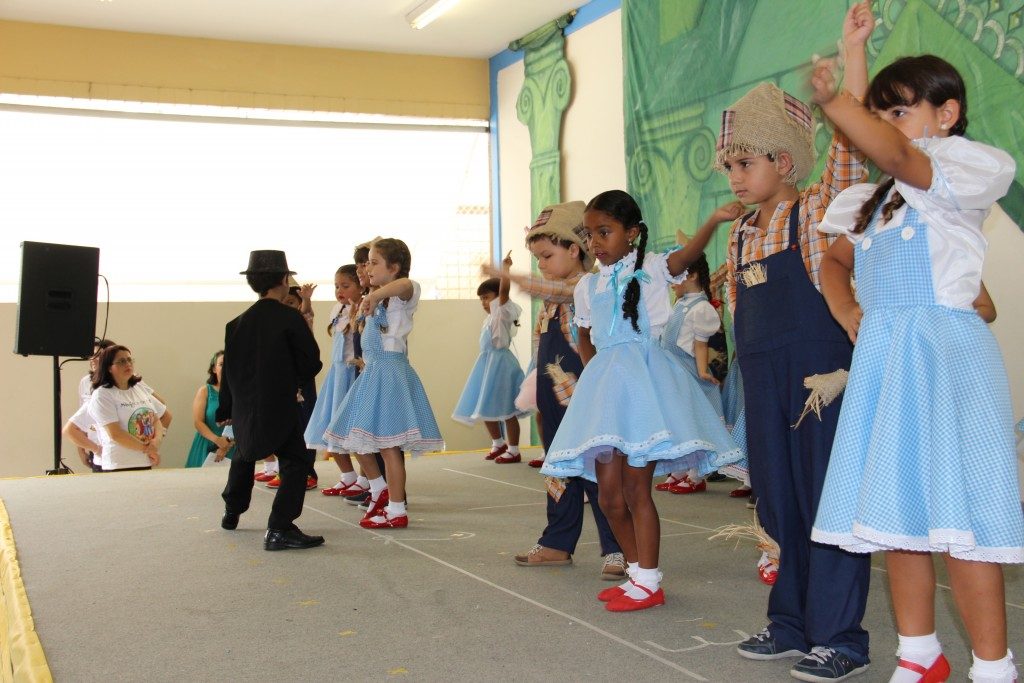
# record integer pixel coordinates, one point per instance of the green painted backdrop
(686, 60)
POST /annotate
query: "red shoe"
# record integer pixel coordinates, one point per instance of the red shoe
(311, 483)
(938, 672)
(609, 594)
(377, 506)
(496, 452)
(264, 476)
(768, 574)
(536, 462)
(624, 603)
(508, 458)
(741, 492)
(687, 486)
(669, 482)
(385, 521)
(274, 482)
(353, 489)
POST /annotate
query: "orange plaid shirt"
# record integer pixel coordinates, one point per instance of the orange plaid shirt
(844, 167)
(557, 296)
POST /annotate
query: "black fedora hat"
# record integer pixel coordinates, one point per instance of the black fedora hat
(267, 261)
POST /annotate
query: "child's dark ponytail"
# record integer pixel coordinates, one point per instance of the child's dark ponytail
(867, 209)
(703, 270)
(632, 299)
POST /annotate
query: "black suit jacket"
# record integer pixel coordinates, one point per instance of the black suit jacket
(269, 352)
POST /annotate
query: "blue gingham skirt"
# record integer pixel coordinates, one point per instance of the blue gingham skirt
(491, 390)
(386, 408)
(633, 397)
(923, 457)
(338, 381)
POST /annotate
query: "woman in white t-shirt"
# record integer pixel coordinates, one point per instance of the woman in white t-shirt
(130, 420)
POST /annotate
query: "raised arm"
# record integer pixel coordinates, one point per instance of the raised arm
(680, 260)
(857, 28)
(505, 283)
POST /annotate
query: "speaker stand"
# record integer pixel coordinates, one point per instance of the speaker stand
(58, 466)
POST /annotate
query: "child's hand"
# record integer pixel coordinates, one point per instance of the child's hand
(729, 212)
(858, 24)
(823, 82)
(849, 318)
(306, 291)
(507, 261)
(706, 375)
(369, 304)
(223, 443)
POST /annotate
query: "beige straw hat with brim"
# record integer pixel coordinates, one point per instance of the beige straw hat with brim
(563, 222)
(767, 121)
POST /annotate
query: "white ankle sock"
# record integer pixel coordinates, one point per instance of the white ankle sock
(694, 477)
(376, 486)
(396, 509)
(348, 478)
(497, 443)
(993, 671)
(923, 650)
(270, 467)
(648, 578)
(363, 481)
(513, 450)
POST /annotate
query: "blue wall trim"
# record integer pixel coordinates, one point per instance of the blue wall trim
(586, 15)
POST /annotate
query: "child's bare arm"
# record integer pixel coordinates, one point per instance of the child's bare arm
(680, 260)
(506, 283)
(700, 355)
(586, 347)
(984, 305)
(836, 267)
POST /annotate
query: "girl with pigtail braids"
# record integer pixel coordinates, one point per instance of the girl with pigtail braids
(666, 424)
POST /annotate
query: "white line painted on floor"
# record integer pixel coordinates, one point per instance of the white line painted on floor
(498, 507)
(576, 620)
(496, 481)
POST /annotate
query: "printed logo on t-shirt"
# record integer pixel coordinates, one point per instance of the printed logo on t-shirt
(142, 424)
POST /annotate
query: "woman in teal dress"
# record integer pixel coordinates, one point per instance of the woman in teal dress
(208, 439)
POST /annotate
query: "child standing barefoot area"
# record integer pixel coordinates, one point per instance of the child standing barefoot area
(916, 418)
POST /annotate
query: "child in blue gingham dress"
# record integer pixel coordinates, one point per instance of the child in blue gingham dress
(927, 399)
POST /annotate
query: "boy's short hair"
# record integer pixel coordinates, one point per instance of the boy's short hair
(489, 286)
(261, 283)
(767, 121)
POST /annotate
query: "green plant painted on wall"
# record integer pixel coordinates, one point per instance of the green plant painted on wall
(686, 60)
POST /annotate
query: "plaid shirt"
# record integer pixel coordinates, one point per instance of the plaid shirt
(844, 167)
(558, 300)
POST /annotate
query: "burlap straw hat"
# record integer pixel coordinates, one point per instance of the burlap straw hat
(563, 222)
(768, 120)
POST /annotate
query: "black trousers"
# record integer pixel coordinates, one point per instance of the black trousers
(294, 462)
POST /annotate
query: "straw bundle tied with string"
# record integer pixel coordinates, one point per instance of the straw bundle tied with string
(753, 531)
(564, 382)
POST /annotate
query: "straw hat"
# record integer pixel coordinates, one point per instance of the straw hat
(768, 120)
(563, 222)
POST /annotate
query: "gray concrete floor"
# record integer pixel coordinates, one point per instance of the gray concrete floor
(131, 578)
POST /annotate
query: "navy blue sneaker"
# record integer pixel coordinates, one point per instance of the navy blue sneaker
(825, 664)
(763, 647)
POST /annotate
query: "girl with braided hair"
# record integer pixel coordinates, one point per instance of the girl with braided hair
(635, 413)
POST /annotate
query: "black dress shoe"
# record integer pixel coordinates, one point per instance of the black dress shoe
(229, 520)
(290, 540)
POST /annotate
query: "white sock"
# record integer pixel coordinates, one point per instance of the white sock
(363, 482)
(648, 578)
(678, 476)
(993, 671)
(376, 486)
(270, 467)
(396, 509)
(513, 450)
(631, 569)
(497, 443)
(923, 650)
(694, 477)
(348, 478)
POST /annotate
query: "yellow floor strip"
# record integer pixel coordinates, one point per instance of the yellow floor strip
(21, 653)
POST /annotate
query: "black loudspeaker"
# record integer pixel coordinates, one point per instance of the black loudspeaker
(57, 300)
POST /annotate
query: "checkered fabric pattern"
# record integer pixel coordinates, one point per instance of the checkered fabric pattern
(923, 457)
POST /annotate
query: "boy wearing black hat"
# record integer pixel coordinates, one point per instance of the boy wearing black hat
(269, 351)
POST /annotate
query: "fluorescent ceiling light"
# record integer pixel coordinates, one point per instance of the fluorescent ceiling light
(427, 11)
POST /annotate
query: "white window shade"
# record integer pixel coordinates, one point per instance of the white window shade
(175, 206)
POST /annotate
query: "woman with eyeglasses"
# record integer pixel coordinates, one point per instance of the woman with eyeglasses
(130, 420)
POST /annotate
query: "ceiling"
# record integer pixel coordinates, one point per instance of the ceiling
(472, 28)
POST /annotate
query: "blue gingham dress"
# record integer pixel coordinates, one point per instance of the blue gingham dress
(668, 342)
(923, 458)
(386, 406)
(494, 382)
(632, 397)
(339, 379)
